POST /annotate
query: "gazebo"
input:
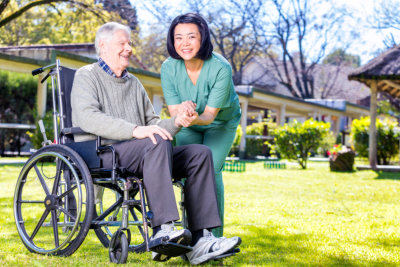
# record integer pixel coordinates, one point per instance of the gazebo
(381, 74)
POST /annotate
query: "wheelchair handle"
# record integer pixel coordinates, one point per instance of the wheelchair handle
(40, 70)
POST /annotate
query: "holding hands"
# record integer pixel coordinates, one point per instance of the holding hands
(186, 114)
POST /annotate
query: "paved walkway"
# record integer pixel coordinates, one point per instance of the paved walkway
(385, 168)
(10, 161)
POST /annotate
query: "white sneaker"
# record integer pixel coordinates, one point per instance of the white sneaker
(209, 247)
(170, 233)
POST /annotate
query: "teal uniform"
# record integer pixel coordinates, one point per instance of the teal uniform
(214, 88)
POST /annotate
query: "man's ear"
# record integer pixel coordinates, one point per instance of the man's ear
(102, 46)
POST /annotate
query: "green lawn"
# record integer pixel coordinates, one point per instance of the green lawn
(285, 217)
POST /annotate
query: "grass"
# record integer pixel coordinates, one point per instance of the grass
(286, 217)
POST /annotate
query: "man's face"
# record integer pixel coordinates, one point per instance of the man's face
(116, 52)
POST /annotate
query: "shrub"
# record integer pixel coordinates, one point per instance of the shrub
(254, 146)
(387, 138)
(236, 142)
(296, 140)
(36, 136)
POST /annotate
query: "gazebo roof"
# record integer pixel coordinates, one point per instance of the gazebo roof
(384, 69)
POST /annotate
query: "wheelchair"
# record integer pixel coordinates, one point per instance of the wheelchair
(62, 191)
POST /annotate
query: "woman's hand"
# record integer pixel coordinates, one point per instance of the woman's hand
(187, 107)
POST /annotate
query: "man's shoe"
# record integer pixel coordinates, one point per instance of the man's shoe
(169, 233)
(209, 247)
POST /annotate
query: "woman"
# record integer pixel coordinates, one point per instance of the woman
(198, 81)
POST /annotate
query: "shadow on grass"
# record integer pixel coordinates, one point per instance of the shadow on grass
(381, 175)
(262, 247)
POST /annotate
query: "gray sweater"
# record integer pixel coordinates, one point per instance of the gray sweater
(111, 107)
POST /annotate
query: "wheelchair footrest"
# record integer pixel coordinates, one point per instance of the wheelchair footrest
(230, 253)
(168, 248)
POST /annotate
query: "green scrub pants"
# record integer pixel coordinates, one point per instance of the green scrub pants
(219, 138)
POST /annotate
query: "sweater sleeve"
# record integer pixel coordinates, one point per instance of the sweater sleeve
(87, 113)
(152, 118)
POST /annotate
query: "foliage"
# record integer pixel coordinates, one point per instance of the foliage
(36, 136)
(234, 27)
(340, 57)
(296, 140)
(236, 142)
(328, 141)
(389, 106)
(17, 102)
(64, 22)
(254, 146)
(259, 147)
(387, 138)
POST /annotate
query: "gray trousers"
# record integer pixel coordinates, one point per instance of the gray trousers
(157, 164)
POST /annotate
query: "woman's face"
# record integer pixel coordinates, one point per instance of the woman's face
(187, 40)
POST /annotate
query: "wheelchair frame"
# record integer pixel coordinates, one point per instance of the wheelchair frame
(70, 201)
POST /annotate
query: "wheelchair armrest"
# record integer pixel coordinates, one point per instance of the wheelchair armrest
(72, 130)
(100, 149)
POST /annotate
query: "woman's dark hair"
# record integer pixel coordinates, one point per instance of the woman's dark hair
(206, 46)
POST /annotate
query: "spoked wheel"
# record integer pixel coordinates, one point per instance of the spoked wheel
(53, 201)
(118, 250)
(108, 207)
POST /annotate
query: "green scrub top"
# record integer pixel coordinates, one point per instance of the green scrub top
(214, 88)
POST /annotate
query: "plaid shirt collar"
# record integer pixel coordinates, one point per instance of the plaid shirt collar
(107, 69)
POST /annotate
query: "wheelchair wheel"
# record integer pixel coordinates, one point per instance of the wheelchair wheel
(53, 201)
(118, 250)
(109, 205)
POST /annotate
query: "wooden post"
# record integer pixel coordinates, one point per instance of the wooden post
(372, 127)
(281, 113)
(41, 96)
(243, 123)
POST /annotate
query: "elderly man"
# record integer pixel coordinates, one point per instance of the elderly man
(112, 103)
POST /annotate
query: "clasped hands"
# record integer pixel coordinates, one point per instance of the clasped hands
(185, 117)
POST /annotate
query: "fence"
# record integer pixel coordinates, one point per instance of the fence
(234, 166)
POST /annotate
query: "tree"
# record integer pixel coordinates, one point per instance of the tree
(386, 17)
(340, 57)
(233, 26)
(60, 21)
(235, 30)
(301, 33)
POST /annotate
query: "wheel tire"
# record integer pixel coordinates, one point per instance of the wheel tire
(104, 233)
(118, 250)
(59, 174)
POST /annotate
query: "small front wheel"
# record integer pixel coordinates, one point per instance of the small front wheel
(118, 250)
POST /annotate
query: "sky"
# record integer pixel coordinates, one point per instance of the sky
(367, 46)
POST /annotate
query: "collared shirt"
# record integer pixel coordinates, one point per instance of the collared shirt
(107, 69)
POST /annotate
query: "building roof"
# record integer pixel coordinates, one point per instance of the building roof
(43, 52)
(383, 69)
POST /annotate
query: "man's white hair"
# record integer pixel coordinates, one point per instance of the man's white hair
(106, 31)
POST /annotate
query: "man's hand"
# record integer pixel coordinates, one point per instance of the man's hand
(142, 132)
